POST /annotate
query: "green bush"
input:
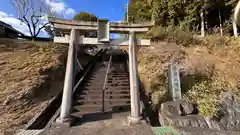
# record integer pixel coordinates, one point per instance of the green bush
(205, 94)
(85, 16)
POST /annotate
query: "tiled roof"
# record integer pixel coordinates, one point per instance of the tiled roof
(5, 25)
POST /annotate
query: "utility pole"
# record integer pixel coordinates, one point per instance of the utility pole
(127, 12)
(126, 19)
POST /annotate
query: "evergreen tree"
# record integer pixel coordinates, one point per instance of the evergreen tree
(184, 13)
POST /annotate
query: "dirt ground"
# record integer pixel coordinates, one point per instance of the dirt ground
(26, 72)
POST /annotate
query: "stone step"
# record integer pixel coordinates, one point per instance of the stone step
(94, 84)
(118, 87)
(106, 102)
(95, 81)
(118, 75)
(112, 89)
(117, 84)
(100, 106)
(100, 87)
(117, 92)
(125, 88)
(117, 81)
(84, 92)
(118, 78)
(97, 95)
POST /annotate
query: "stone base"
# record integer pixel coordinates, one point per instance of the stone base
(66, 122)
(134, 121)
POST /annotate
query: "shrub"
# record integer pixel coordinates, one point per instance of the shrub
(175, 34)
(203, 94)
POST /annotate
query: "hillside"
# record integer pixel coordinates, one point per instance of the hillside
(209, 63)
(209, 67)
(31, 75)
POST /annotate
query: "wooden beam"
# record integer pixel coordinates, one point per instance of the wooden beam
(94, 41)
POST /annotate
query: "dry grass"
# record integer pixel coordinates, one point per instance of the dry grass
(208, 68)
(26, 70)
(153, 64)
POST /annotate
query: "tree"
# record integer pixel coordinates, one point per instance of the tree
(159, 13)
(33, 13)
(50, 31)
(85, 16)
(204, 15)
(139, 11)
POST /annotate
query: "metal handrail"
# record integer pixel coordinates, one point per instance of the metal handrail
(106, 76)
(105, 82)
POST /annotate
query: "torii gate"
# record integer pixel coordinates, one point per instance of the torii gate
(104, 28)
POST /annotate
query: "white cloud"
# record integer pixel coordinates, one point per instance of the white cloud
(17, 24)
(2, 14)
(61, 8)
(20, 26)
(58, 6)
(70, 11)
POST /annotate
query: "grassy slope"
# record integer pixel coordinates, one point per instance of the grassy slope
(208, 68)
(26, 71)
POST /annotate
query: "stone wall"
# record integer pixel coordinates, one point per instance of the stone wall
(181, 114)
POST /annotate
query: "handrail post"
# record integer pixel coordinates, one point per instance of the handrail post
(69, 80)
(134, 91)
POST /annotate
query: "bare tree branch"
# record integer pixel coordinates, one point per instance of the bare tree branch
(41, 28)
(31, 13)
(28, 24)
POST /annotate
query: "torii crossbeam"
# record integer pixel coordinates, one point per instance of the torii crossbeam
(64, 27)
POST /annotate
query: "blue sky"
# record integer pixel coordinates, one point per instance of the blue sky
(107, 9)
(110, 9)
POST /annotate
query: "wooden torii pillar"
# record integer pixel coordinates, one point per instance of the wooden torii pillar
(104, 28)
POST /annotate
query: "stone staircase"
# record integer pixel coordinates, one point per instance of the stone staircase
(99, 96)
